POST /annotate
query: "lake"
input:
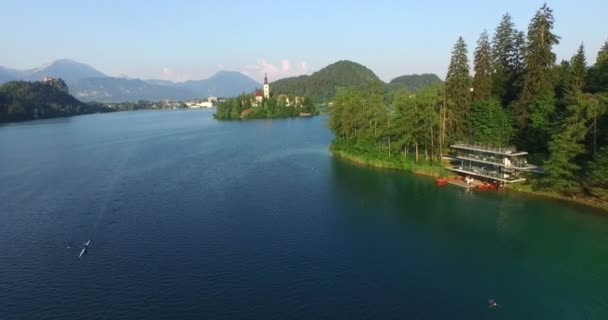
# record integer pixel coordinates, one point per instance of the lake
(192, 218)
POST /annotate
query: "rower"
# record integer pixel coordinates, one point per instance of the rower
(84, 249)
(492, 304)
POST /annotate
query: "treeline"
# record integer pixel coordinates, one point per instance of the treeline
(22, 100)
(517, 95)
(242, 107)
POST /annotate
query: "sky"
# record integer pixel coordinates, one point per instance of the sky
(183, 40)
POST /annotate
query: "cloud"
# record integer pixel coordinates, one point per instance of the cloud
(170, 74)
(281, 69)
(285, 65)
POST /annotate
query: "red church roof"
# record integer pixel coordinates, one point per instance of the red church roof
(258, 93)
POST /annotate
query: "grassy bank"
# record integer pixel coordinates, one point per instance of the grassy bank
(587, 201)
(377, 159)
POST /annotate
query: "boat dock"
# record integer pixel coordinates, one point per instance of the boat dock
(462, 184)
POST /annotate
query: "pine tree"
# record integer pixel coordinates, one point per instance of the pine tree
(601, 66)
(536, 101)
(458, 93)
(575, 82)
(482, 81)
(504, 52)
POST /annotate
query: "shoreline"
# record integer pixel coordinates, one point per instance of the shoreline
(435, 172)
(423, 170)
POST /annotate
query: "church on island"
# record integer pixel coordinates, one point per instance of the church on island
(260, 95)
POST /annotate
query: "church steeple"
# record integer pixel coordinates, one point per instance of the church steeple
(266, 87)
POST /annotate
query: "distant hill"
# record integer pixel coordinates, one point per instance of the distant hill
(89, 84)
(107, 89)
(413, 82)
(66, 69)
(23, 100)
(321, 86)
(221, 84)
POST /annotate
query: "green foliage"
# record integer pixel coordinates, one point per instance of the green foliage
(490, 123)
(406, 130)
(598, 169)
(598, 75)
(566, 148)
(22, 100)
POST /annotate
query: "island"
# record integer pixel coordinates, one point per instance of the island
(262, 105)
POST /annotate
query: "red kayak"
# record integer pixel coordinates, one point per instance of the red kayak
(443, 181)
(487, 186)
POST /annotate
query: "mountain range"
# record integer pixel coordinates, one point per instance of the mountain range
(88, 84)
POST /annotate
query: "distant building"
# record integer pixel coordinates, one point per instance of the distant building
(285, 98)
(196, 104)
(57, 83)
(257, 98)
(299, 101)
(212, 99)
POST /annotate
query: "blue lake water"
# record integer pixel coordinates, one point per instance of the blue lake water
(192, 218)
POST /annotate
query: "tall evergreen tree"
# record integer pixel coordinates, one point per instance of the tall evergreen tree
(517, 59)
(503, 58)
(482, 80)
(537, 98)
(599, 72)
(458, 93)
(575, 83)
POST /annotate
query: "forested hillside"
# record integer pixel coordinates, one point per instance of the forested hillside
(22, 100)
(413, 82)
(321, 86)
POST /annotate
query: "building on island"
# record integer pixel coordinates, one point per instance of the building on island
(257, 98)
(497, 165)
(266, 87)
(284, 98)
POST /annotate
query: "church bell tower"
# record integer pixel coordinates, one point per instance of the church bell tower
(266, 87)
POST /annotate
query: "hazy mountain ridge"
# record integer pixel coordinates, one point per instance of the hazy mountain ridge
(88, 84)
